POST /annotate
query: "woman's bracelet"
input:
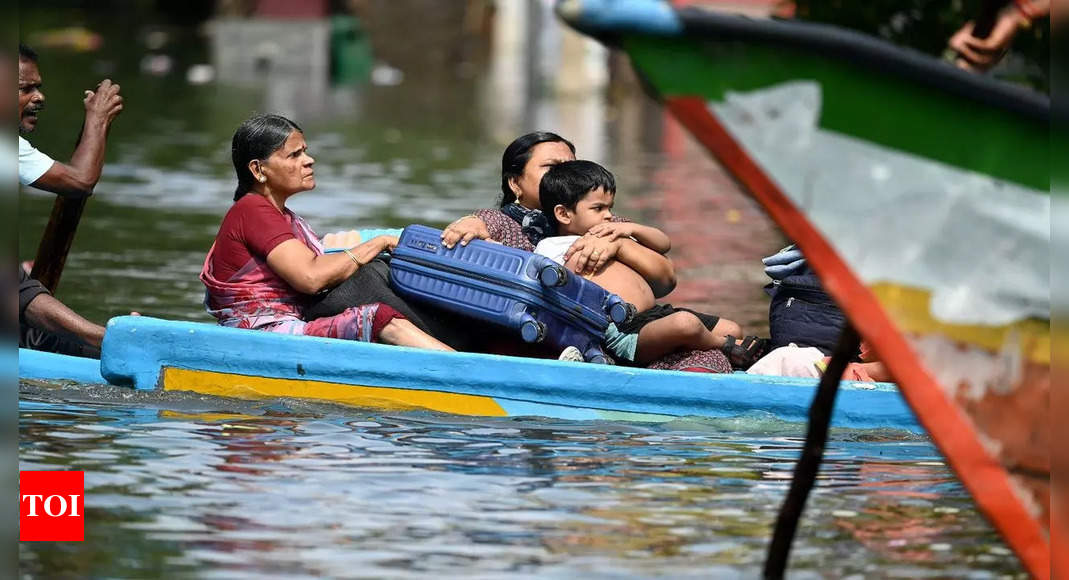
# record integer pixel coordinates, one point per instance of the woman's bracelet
(352, 256)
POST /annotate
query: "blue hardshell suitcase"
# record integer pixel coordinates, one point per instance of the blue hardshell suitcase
(507, 287)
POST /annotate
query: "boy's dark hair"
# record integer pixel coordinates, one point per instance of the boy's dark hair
(570, 181)
(27, 53)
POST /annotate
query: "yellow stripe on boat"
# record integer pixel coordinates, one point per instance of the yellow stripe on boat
(205, 417)
(909, 308)
(249, 387)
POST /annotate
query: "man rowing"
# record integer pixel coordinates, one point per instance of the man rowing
(44, 322)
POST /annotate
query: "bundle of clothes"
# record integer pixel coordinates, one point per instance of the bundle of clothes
(805, 323)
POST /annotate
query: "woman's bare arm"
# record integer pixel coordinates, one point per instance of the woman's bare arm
(310, 273)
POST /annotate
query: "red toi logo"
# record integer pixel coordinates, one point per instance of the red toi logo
(51, 506)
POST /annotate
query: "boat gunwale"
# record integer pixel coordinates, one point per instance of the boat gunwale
(137, 349)
(840, 43)
(868, 51)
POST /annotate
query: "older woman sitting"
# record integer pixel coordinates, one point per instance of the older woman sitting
(267, 263)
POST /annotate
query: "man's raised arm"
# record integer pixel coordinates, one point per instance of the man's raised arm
(80, 176)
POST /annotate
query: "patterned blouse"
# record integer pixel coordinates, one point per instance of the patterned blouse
(504, 229)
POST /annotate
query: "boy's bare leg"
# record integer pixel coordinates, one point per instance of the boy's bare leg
(681, 331)
(402, 332)
(677, 331)
(723, 329)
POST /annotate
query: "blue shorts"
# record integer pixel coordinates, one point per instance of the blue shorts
(621, 345)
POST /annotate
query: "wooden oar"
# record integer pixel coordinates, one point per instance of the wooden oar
(56, 240)
(67, 210)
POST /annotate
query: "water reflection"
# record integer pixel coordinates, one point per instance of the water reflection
(255, 489)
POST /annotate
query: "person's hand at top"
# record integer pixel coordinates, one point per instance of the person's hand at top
(592, 253)
(464, 230)
(648, 236)
(980, 54)
(613, 230)
(103, 104)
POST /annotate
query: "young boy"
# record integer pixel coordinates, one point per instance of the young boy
(577, 197)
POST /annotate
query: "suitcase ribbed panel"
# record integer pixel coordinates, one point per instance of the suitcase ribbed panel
(488, 259)
(432, 287)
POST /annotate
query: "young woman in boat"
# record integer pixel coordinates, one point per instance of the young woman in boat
(266, 263)
(518, 220)
(520, 223)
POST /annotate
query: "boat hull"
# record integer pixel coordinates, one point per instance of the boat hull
(51, 366)
(147, 353)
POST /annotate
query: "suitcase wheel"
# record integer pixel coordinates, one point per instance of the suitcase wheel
(552, 276)
(620, 312)
(532, 330)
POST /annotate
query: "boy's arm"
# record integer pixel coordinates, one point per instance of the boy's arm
(648, 236)
(652, 238)
(656, 268)
(592, 253)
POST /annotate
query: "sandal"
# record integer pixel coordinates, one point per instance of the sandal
(742, 355)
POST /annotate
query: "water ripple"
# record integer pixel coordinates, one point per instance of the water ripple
(254, 490)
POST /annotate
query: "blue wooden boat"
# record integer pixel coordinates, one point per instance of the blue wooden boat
(148, 353)
(49, 366)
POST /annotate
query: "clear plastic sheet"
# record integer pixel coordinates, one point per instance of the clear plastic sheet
(979, 245)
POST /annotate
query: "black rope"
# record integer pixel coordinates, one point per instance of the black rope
(805, 472)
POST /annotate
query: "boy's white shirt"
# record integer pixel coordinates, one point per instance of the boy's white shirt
(554, 247)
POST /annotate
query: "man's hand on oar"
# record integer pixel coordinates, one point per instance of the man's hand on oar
(979, 50)
(980, 54)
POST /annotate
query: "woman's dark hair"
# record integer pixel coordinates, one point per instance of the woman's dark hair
(570, 181)
(516, 156)
(257, 138)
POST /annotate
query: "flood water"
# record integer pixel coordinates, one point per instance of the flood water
(189, 486)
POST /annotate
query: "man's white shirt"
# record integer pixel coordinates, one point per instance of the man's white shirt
(32, 163)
